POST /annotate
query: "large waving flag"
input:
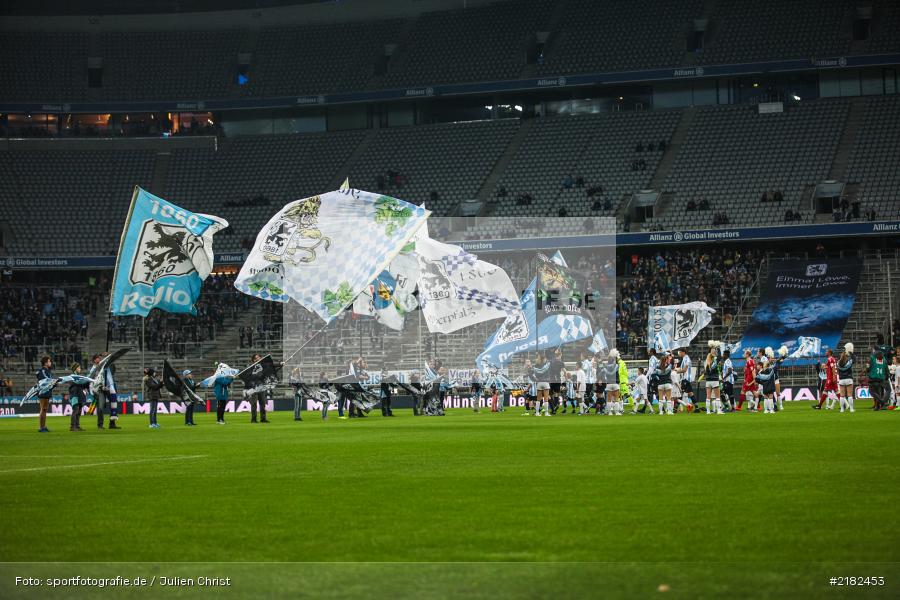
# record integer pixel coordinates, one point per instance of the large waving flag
(164, 255)
(457, 290)
(516, 334)
(324, 250)
(675, 325)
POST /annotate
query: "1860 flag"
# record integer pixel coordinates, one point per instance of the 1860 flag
(164, 256)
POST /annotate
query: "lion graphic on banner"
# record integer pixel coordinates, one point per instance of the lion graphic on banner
(296, 237)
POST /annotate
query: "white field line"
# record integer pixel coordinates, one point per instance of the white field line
(103, 464)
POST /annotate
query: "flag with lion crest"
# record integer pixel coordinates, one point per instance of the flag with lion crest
(324, 250)
(164, 255)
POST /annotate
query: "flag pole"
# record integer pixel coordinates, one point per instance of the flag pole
(302, 346)
(890, 306)
(143, 343)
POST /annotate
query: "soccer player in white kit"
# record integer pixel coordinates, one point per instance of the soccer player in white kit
(639, 391)
(728, 379)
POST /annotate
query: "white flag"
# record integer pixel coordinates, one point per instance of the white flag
(676, 325)
(324, 250)
(449, 298)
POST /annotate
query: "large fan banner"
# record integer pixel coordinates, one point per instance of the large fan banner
(805, 304)
(164, 256)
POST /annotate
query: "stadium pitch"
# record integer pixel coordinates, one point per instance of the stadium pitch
(691, 505)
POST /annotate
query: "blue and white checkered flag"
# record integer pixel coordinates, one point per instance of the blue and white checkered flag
(457, 261)
(570, 328)
(324, 250)
(449, 299)
(486, 298)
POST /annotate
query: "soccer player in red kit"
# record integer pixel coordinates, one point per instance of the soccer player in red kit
(749, 386)
(831, 378)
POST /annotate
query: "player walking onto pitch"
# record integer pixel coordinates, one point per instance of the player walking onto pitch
(664, 376)
(782, 356)
(830, 388)
(542, 374)
(846, 392)
(766, 378)
(748, 390)
(711, 376)
(728, 380)
(639, 389)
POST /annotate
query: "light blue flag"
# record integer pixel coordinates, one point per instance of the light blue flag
(557, 330)
(164, 256)
(599, 342)
(516, 334)
(324, 250)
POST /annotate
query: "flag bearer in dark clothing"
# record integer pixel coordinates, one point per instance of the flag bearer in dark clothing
(188, 380)
(44, 372)
(78, 398)
(152, 385)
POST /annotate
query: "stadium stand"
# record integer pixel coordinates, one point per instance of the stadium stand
(614, 36)
(248, 177)
(323, 58)
(451, 159)
(769, 29)
(43, 67)
(874, 159)
(85, 193)
(184, 65)
(476, 44)
(495, 41)
(601, 149)
(784, 152)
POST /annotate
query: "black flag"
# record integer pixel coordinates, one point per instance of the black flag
(260, 376)
(174, 384)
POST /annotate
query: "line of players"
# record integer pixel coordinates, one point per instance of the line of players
(602, 384)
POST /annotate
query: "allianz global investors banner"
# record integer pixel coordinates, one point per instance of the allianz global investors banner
(804, 298)
(556, 300)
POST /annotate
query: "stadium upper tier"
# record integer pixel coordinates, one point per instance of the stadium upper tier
(498, 41)
(706, 162)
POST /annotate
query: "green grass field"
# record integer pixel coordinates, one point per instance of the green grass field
(488, 505)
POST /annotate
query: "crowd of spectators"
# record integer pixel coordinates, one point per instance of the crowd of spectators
(174, 333)
(722, 278)
(44, 320)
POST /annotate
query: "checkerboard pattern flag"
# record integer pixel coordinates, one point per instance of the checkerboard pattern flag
(572, 327)
(455, 262)
(486, 298)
